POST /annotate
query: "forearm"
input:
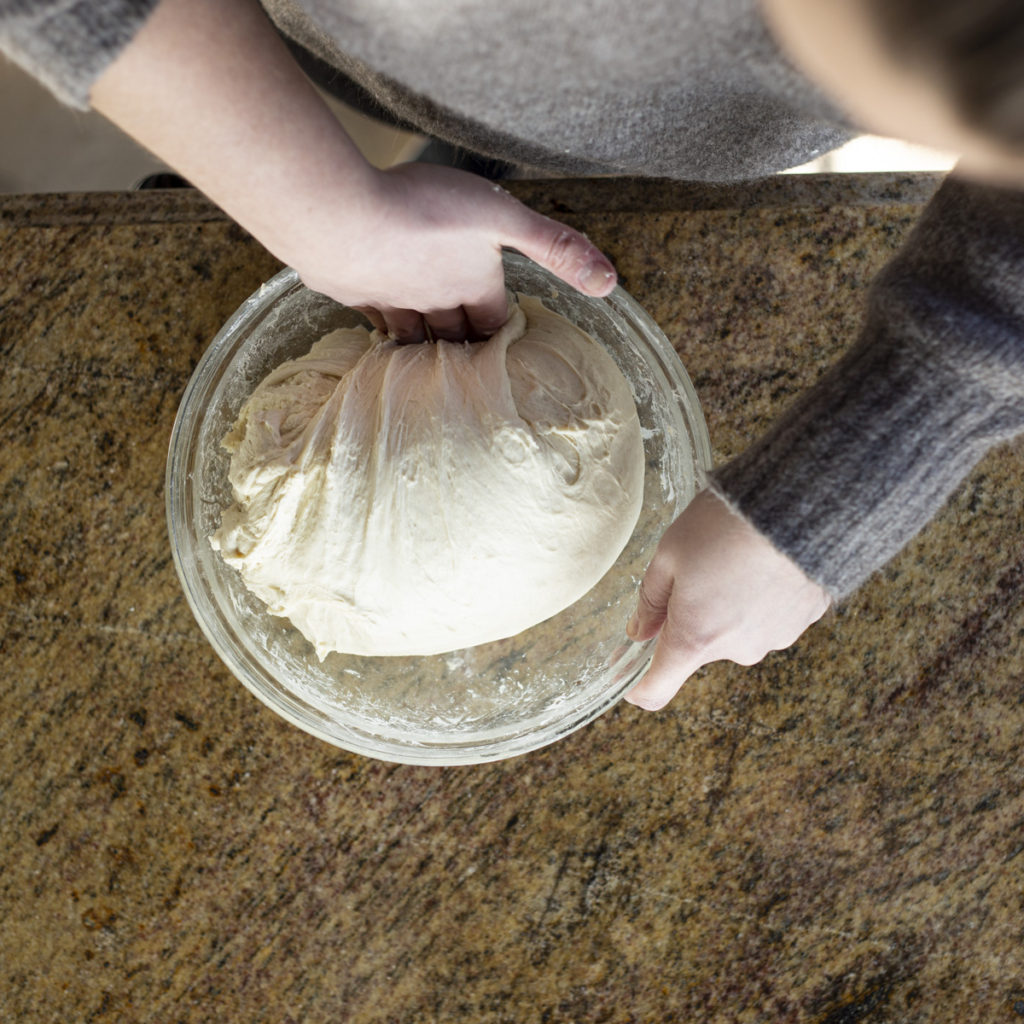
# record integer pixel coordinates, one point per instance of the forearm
(212, 90)
(863, 460)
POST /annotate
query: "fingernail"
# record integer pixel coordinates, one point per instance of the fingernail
(597, 278)
(633, 627)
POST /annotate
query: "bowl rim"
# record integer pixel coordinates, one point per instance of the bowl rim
(178, 483)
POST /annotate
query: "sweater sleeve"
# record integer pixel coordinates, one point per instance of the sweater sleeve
(867, 456)
(67, 44)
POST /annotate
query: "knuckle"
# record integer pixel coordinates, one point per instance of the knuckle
(643, 600)
(751, 657)
(562, 248)
(692, 634)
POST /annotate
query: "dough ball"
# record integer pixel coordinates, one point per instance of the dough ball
(414, 499)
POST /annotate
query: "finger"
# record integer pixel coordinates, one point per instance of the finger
(404, 326)
(449, 324)
(485, 321)
(565, 252)
(375, 317)
(652, 600)
(673, 663)
(491, 312)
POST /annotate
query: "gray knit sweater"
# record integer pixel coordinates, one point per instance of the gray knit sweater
(693, 89)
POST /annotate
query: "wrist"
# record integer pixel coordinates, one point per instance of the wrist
(213, 91)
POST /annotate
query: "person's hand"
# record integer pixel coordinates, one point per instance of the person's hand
(213, 90)
(425, 248)
(716, 589)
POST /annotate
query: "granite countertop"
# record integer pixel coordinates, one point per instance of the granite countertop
(830, 836)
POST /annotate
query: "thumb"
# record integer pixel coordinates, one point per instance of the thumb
(565, 252)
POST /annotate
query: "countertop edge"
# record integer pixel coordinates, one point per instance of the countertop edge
(552, 195)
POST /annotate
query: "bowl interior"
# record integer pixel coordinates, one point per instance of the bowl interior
(477, 704)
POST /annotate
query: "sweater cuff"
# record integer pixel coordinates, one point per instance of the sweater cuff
(865, 459)
(67, 46)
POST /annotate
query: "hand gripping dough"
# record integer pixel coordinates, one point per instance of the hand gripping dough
(414, 499)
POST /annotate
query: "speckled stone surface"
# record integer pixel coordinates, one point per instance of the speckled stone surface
(832, 836)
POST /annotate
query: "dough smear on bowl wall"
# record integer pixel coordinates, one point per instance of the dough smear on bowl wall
(416, 499)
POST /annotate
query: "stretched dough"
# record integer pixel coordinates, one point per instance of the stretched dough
(414, 499)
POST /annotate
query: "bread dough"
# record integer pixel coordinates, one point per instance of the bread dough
(414, 499)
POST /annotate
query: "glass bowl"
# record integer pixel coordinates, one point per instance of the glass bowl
(469, 706)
